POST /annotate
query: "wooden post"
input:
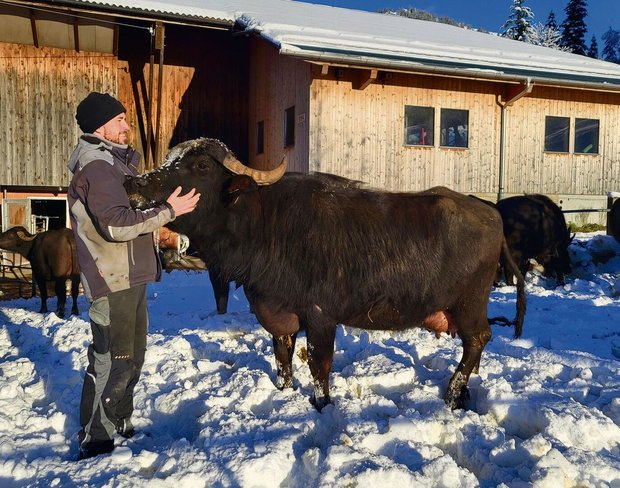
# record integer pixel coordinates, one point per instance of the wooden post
(149, 107)
(159, 45)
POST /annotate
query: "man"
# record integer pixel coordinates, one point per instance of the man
(117, 259)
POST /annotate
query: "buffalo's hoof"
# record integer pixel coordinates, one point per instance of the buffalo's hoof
(282, 383)
(320, 403)
(457, 401)
(74, 311)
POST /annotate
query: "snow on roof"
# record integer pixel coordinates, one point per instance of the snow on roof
(357, 38)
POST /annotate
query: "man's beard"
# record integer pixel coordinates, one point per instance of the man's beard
(117, 138)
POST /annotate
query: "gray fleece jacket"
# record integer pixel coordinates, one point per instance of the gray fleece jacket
(114, 242)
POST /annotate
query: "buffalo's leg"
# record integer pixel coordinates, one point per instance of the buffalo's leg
(60, 288)
(220, 289)
(283, 326)
(320, 339)
(457, 394)
(284, 348)
(42, 286)
(75, 290)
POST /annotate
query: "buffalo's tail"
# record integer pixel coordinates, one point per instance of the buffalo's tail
(521, 300)
(75, 265)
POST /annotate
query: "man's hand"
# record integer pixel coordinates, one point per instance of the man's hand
(182, 204)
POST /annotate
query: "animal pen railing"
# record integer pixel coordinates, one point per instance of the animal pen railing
(15, 276)
(611, 198)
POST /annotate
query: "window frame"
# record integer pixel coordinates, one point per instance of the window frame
(596, 150)
(443, 114)
(260, 137)
(289, 126)
(568, 138)
(422, 126)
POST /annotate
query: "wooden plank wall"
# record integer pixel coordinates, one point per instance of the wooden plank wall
(530, 169)
(39, 92)
(205, 87)
(277, 83)
(359, 133)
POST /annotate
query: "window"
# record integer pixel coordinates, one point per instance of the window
(260, 137)
(586, 136)
(289, 126)
(419, 123)
(454, 127)
(556, 134)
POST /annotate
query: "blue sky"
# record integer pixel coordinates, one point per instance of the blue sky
(491, 14)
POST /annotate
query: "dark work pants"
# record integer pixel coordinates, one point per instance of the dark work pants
(119, 323)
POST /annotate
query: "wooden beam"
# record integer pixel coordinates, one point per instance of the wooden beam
(115, 41)
(76, 34)
(366, 77)
(324, 69)
(33, 26)
(160, 35)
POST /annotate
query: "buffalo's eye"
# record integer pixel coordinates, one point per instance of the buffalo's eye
(201, 165)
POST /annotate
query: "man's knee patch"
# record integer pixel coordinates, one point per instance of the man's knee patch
(99, 311)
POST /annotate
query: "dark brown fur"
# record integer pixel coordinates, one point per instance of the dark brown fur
(316, 250)
(535, 228)
(614, 220)
(52, 256)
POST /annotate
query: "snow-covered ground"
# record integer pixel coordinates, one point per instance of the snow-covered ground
(545, 409)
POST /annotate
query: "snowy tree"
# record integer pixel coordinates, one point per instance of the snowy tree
(611, 46)
(574, 27)
(593, 49)
(544, 35)
(416, 13)
(519, 25)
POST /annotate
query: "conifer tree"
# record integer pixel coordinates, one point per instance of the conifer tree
(551, 23)
(611, 46)
(519, 23)
(593, 49)
(574, 26)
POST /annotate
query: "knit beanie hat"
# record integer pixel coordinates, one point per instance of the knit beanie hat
(97, 109)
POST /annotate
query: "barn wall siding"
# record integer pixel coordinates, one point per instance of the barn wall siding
(360, 133)
(530, 169)
(277, 83)
(39, 92)
(225, 84)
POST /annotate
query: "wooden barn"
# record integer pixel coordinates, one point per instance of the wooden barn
(398, 103)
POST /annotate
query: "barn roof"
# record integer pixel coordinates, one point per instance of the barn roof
(363, 39)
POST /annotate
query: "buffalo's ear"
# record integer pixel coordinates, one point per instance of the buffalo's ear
(238, 185)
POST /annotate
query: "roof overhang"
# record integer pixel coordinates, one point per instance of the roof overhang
(429, 66)
(130, 11)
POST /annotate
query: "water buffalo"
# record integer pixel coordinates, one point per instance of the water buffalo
(535, 228)
(316, 250)
(613, 220)
(53, 257)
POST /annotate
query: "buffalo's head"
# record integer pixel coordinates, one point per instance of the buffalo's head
(17, 239)
(205, 164)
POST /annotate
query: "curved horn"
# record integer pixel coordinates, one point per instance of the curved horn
(262, 177)
(24, 237)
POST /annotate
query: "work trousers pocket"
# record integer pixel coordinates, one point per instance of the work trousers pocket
(99, 313)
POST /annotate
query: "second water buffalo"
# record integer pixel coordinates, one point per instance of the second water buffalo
(52, 256)
(535, 228)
